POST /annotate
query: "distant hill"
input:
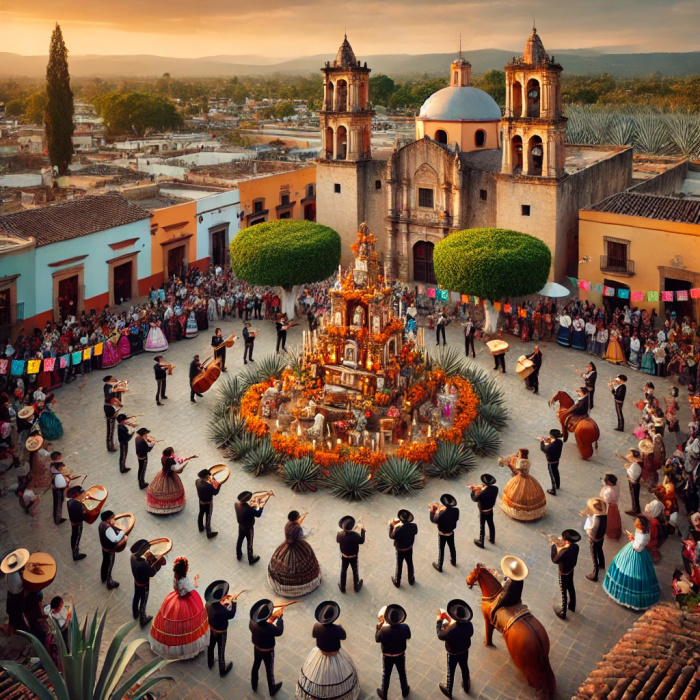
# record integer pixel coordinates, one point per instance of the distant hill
(578, 62)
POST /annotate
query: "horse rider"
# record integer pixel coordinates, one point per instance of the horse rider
(515, 572)
(580, 409)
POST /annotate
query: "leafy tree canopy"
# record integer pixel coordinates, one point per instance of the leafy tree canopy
(492, 263)
(58, 115)
(136, 113)
(493, 82)
(285, 253)
(381, 88)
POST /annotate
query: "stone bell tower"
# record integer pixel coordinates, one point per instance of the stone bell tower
(533, 126)
(346, 119)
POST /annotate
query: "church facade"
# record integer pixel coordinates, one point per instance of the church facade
(469, 165)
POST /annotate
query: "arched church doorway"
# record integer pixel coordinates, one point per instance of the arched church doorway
(423, 270)
(441, 136)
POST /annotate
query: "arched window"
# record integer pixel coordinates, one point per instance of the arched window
(423, 270)
(341, 138)
(535, 156)
(533, 98)
(329, 143)
(330, 96)
(517, 153)
(517, 99)
(480, 138)
(341, 96)
(441, 136)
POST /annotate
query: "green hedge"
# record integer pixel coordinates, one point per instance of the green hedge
(492, 263)
(285, 253)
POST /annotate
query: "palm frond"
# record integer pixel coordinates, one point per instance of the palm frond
(482, 438)
(451, 460)
(495, 414)
(262, 459)
(352, 481)
(300, 474)
(399, 477)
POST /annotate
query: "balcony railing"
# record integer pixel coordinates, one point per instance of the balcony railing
(12, 315)
(618, 266)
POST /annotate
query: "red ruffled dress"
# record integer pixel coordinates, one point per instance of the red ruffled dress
(180, 630)
(165, 494)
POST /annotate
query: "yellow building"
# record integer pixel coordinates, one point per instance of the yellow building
(285, 195)
(643, 242)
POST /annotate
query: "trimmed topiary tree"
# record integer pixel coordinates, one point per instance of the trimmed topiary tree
(285, 254)
(491, 263)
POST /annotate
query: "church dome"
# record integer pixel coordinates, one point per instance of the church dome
(457, 103)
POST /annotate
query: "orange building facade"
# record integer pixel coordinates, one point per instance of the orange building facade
(289, 195)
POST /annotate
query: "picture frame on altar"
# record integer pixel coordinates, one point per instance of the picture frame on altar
(380, 383)
(376, 324)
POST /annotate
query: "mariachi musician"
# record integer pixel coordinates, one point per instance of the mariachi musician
(248, 343)
(196, 367)
(247, 509)
(454, 627)
(281, 325)
(160, 370)
(266, 624)
(618, 389)
(221, 607)
(111, 404)
(533, 381)
(349, 540)
(403, 531)
(218, 343)
(485, 498)
(124, 435)
(110, 537)
(58, 486)
(552, 447)
(445, 515)
(144, 566)
(207, 488)
(143, 445)
(76, 515)
(565, 555)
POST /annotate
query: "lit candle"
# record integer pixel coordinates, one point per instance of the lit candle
(430, 430)
(329, 445)
(299, 430)
(314, 444)
(338, 442)
(277, 423)
(372, 444)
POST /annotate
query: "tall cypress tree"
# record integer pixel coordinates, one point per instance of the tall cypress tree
(58, 117)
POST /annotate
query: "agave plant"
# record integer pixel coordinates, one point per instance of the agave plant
(684, 131)
(223, 431)
(352, 481)
(399, 477)
(483, 438)
(230, 392)
(300, 474)
(495, 414)
(295, 359)
(262, 459)
(240, 446)
(489, 393)
(451, 460)
(79, 679)
(474, 374)
(270, 366)
(448, 359)
(651, 133)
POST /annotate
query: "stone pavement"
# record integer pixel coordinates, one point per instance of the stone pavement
(576, 644)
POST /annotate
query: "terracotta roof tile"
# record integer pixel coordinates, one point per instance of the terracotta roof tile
(659, 657)
(67, 220)
(651, 206)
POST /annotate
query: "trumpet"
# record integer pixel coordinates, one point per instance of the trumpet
(278, 610)
(555, 540)
(476, 487)
(394, 522)
(436, 507)
(151, 441)
(444, 615)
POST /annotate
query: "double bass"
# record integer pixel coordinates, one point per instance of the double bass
(204, 380)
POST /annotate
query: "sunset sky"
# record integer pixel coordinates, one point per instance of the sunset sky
(277, 28)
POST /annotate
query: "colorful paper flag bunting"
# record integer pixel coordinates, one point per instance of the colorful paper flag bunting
(87, 353)
(49, 364)
(695, 293)
(4, 364)
(431, 292)
(652, 296)
(682, 295)
(64, 361)
(623, 293)
(637, 296)
(77, 357)
(608, 291)
(17, 367)
(33, 366)
(667, 296)
(98, 349)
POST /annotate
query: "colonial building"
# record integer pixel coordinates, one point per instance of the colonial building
(469, 166)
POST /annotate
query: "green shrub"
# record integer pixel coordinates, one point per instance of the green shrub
(223, 431)
(399, 477)
(489, 393)
(451, 460)
(240, 446)
(230, 391)
(492, 263)
(262, 459)
(482, 438)
(285, 253)
(352, 481)
(300, 474)
(495, 415)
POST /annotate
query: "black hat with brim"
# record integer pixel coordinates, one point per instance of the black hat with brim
(245, 496)
(405, 516)
(347, 522)
(106, 515)
(555, 433)
(74, 491)
(488, 479)
(143, 431)
(459, 610)
(139, 547)
(262, 610)
(121, 417)
(327, 612)
(447, 499)
(216, 591)
(394, 614)
(571, 536)
(203, 473)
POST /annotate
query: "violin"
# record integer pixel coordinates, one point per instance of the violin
(204, 380)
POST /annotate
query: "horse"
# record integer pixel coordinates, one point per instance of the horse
(525, 637)
(585, 429)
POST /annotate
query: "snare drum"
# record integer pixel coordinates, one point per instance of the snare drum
(220, 472)
(125, 522)
(92, 500)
